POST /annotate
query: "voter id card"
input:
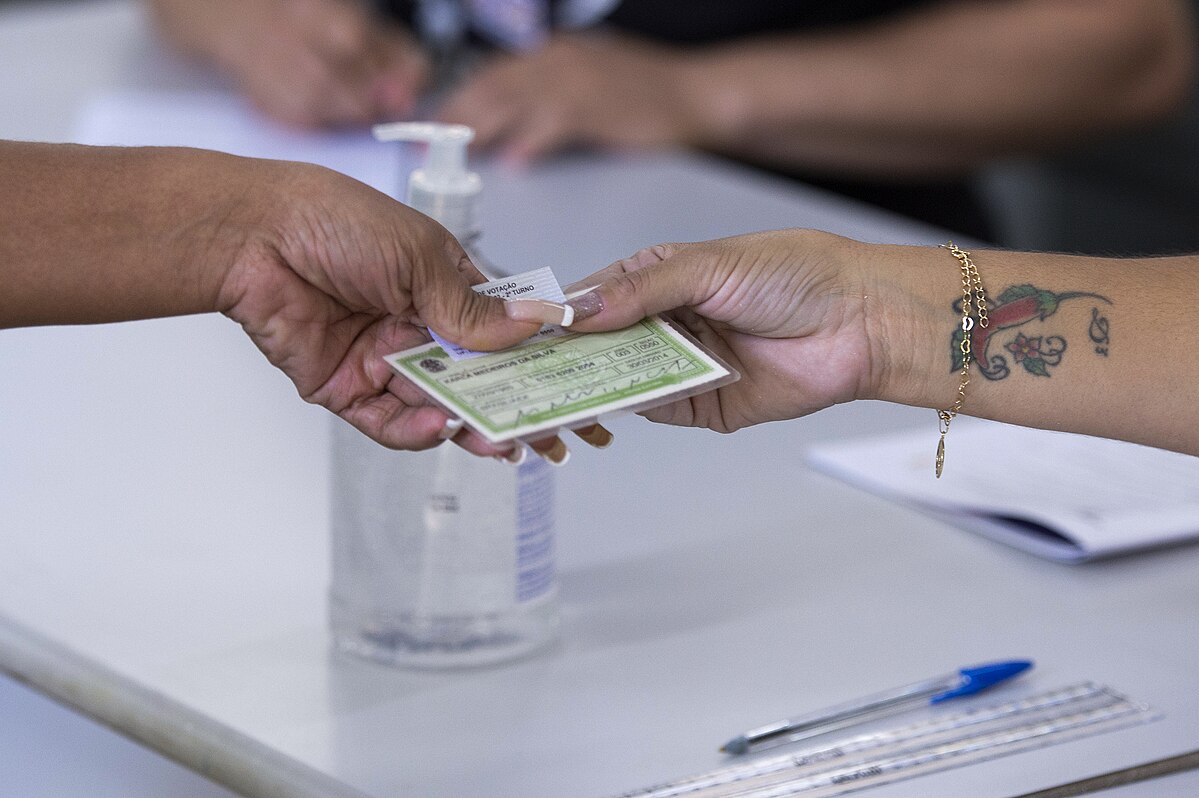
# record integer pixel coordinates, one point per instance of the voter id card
(543, 385)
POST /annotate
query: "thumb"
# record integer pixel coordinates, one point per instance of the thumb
(654, 280)
(445, 302)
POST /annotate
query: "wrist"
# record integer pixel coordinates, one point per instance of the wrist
(253, 233)
(910, 323)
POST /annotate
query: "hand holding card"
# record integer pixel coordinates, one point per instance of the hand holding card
(562, 380)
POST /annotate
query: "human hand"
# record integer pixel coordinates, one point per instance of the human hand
(308, 63)
(578, 90)
(333, 276)
(789, 310)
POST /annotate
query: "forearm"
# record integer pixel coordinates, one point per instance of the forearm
(97, 234)
(1106, 347)
(947, 87)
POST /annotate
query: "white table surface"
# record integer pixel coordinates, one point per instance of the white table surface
(163, 561)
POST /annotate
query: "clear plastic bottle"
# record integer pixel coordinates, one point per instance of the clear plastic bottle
(440, 558)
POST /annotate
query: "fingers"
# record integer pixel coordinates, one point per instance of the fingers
(519, 107)
(590, 300)
(380, 62)
(646, 256)
(553, 450)
(301, 88)
(653, 280)
(396, 424)
(331, 62)
(543, 132)
(446, 304)
(403, 74)
(490, 103)
(595, 435)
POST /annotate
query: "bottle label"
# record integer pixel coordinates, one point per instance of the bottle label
(536, 569)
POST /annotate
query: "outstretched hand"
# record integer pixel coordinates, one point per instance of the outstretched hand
(599, 91)
(779, 307)
(346, 276)
(310, 63)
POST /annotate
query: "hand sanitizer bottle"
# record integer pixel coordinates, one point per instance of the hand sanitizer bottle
(440, 559)
(443, 188)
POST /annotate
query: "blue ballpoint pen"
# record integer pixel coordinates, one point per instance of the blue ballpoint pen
(964, 682)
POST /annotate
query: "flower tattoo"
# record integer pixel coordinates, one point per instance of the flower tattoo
(1025, 347)
(1028, 353)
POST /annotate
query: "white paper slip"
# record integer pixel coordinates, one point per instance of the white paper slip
(539, 387)
(536, 284)
(1066, 497)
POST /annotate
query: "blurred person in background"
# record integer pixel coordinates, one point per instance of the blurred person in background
(896, 103)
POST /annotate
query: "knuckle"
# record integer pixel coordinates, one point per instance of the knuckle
(627, 288)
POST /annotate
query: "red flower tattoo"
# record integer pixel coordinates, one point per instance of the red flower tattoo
(1024, 347)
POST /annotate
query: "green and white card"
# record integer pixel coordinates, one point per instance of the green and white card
(545, 385)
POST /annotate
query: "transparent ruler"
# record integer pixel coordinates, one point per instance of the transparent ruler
(929, 746)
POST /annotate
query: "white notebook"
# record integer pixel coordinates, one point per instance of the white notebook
(1067, 497)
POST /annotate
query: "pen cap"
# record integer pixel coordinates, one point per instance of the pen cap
(443, 188)
(980, 677)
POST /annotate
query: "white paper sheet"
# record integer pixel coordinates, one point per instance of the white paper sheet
(1067, 497)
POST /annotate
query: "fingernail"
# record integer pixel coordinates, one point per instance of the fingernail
(515, 457)
(557, 454)
(451, 428)
(595, 435)
(541, 310)
(586, 305)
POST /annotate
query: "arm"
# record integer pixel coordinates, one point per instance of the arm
(947, 87)
(934, 91)
(105, 234)
(811, 319)
(305, 62)
(325, 274)
(1113, 352)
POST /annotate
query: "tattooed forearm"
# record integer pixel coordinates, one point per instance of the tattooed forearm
(1015, 307)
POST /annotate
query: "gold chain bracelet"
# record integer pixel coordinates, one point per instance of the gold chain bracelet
(973, 297)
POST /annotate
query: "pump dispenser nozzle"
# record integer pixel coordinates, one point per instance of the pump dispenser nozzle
(443, 188)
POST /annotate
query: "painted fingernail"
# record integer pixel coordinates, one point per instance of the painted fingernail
(557, 454)
(451, 428)
(515, 457)
(541, 310)
(595, 435)
(586, 305)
